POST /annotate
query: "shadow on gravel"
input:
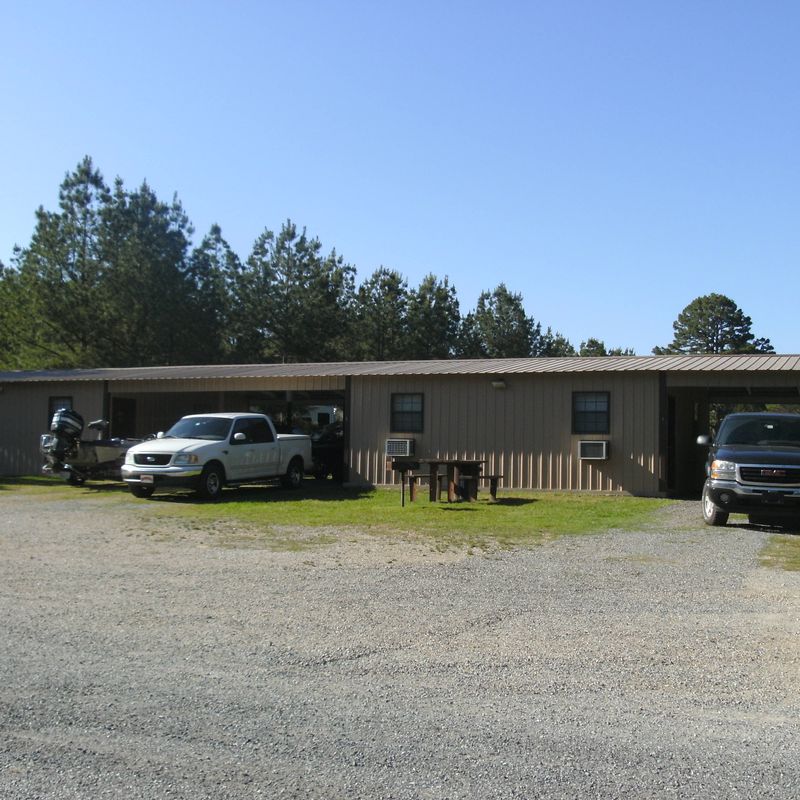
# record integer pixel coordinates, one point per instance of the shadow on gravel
(94, 486)
(787, 530)
(310, 490)
(508, 502)
(790, 527)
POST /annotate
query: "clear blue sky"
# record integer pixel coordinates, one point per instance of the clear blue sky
(610, 161)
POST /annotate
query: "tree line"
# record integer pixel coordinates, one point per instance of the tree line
(111, 279)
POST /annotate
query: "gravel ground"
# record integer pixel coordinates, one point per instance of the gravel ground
(143, 662)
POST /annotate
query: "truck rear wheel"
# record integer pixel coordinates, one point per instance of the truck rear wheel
(294, 474)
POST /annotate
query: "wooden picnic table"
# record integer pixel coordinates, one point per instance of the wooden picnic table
(457, 470)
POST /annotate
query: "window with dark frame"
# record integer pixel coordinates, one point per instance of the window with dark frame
(590, 412)
(407, 413)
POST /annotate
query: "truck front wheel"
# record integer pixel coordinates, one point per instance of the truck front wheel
(712, 514)
(212, 479)
(294, 474)
(141, 491)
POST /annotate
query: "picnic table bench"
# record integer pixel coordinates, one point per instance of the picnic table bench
(463, 476)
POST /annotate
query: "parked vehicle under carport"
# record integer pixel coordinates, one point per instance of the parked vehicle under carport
(327, 451)
(753, 468)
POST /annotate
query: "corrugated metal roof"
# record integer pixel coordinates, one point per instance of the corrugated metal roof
(488, 366)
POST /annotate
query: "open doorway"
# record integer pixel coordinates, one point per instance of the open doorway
(694, 411)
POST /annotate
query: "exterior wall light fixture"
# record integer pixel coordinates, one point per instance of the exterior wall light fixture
(499, 384)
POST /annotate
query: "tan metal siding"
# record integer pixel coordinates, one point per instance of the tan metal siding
(24, 410)
(305, 384)
(734, 379)
(524, 431)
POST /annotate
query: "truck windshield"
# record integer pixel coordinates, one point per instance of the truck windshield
(761, 431)
(212, 428)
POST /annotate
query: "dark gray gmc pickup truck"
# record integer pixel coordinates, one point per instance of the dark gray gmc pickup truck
(753, 468)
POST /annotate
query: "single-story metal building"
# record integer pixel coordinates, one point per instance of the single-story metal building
(613, 424)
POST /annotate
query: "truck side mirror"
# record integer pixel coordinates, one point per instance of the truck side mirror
(704, 440)
(239, 437)
(160, 435)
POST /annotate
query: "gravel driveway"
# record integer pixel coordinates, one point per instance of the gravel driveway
(142, 661)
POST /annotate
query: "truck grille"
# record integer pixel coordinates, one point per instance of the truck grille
(768, 474)
(152, 459)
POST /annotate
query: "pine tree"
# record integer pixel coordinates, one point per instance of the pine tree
(59, 306)
(714, 324)
(381, 316)
(433, 319)
(214, 272)
(298, 303)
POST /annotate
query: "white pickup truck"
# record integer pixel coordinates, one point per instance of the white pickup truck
(206, 452)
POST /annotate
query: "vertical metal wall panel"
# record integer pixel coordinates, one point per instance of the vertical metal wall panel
(524, 431)
(333, 383)
(24, 412)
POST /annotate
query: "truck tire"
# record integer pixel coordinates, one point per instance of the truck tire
(141, 491)
(712, 514)
(212, 479)
(294, 474)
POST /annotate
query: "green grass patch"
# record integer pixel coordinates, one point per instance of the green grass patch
(517, 518)
(58, 489)
(285, 520)
(782, 551)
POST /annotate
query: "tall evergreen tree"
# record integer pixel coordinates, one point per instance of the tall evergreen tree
(433, 319)
(470, 340)
(147, 288)
(550, 344)
(381, 315)
(214, 273)
(8, 329)
(504, 329)
(299, 303)
(60, 310)
(597, 347)
(713, 323)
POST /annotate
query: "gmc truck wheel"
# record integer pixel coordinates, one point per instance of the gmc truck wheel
(712, 514)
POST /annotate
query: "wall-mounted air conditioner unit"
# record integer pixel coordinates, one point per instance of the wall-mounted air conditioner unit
(593, 450)
(399, 447)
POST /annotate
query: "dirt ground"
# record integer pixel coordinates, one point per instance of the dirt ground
(142, 658)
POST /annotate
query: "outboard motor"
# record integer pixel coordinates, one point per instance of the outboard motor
(66, 427)
(68, 456)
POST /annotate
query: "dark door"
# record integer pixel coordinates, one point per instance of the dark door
(123, 416)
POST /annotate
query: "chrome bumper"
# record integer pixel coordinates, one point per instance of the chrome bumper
(132, 473)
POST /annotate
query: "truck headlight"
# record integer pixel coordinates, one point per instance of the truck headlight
(186, 458)
(723, 470)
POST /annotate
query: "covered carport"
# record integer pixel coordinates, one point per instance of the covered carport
(140, 413)
(140, 401)
(697, 397)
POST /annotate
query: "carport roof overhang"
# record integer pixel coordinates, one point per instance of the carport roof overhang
(670, 364)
